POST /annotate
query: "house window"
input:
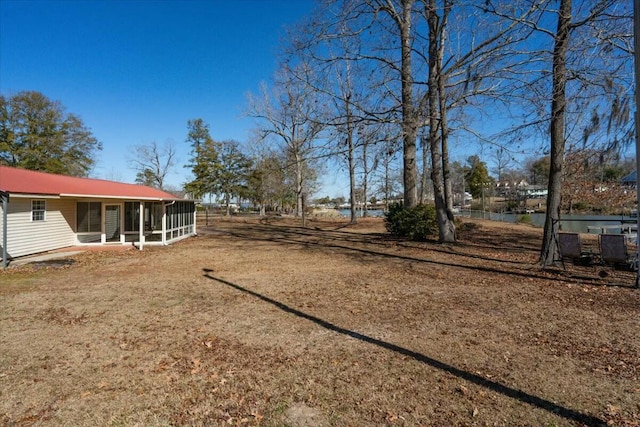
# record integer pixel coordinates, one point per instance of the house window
(38, 208)
(89, 217)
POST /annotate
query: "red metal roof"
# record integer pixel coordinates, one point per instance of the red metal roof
(22, 181)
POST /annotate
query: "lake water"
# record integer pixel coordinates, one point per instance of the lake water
(374, 213)
(572, 223)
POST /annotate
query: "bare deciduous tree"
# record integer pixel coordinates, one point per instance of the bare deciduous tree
(153, 162)
(405, 40)
(582, 78)
(289, 112)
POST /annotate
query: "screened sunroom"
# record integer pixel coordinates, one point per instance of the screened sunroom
(122, 222)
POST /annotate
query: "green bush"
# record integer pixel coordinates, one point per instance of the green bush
(415, 223)
(524, 219)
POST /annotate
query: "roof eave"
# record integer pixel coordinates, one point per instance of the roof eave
(93, 196)
(99, 196)
(33, 195)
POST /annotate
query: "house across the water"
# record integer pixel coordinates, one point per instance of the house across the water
(41, 212)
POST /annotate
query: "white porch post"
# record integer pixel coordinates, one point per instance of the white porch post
(195, 217)
(164, 224)
(141, 225)
(5, 207)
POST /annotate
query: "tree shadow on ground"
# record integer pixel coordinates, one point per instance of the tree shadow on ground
(322, 239)
(508, 242)
(522, 396)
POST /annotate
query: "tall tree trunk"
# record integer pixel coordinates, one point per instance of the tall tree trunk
(352, 166)
(303, 214)
(227, 201)
(424, 180)
(436, 159)
(352, 179)
(447, 229)
(549, 252)
(365, 179)
(409, 122)
(438, 134)
(387, 190)
(299, 183)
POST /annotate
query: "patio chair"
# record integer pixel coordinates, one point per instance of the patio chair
(570, 247)
(614, 252)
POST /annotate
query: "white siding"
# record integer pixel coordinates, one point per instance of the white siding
(25, 237)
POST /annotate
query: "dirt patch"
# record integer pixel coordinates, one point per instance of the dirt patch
(300, 415)
(265, 322)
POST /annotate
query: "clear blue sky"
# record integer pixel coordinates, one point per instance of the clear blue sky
(136, 70)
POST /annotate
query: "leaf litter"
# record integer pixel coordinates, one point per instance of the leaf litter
(264, 322)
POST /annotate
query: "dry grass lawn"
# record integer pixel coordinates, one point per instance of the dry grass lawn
(263, 322)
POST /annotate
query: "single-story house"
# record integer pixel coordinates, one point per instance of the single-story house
(42, 212)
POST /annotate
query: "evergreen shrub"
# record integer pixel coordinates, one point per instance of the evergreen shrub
(415, 223)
